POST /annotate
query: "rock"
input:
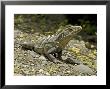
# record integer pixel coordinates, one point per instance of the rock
(58, 75)
(37, 55)
(32, 64)
(64, 57)
(68, 71)
(42, 58)
(33, 54)
(83, 69)
(41, 70)
(44, 62)
(47, 74)
(25, 54)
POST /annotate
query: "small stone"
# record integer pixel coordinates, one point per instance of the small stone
(47, 73)
(64, 57)
(33, 53)
(75, 64)
(32, 64)
(21, 35)
(41, 70)
(57, 75)
(42, 58)
(37, 55)
(25, 54)
(44, 62)
(20, 58)
(68, 71)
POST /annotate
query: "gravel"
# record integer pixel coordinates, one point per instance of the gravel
(29, 63)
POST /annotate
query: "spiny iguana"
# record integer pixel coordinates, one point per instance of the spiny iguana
(51, 46)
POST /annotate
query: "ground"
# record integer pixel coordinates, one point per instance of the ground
(29, 63)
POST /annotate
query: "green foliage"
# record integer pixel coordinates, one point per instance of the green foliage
(39, 22)
(89, 27)
(45, 23)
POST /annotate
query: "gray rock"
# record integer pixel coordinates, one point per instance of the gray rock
(42, 58)
(64, 57)
(44, 62)
(83, 69)
(33, 54)
(37, 55)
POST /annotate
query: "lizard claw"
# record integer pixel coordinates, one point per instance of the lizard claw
(57, 61)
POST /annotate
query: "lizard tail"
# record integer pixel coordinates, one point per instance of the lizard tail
(27, 45)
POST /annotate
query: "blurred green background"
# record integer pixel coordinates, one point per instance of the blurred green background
(51, 22)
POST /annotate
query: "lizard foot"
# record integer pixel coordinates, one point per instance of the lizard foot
(57, 61)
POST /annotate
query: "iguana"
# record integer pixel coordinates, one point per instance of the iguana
(52, 46)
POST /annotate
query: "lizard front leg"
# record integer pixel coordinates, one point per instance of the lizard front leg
(50, 55)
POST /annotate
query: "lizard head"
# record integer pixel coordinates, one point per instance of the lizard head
(66, 34)
(68, 30)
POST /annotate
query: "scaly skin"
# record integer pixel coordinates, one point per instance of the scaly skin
(51, 47)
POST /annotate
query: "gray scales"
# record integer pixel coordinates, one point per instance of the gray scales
(51, 46)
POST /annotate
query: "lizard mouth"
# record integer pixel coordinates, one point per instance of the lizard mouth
(73, 29)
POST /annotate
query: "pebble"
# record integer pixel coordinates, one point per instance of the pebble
(25, 65)
(25, 54)
(42, 58)
(57, 75)
(33, 54)
(37, 55)
(44, 62)
(47, 73)
(68, 71)
(32, 64)
(41, 70)
(64, 57)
